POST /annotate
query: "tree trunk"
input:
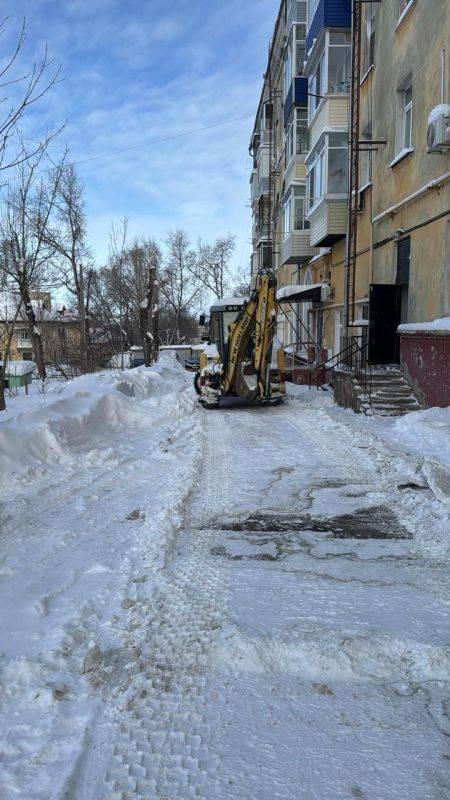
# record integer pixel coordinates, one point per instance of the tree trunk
(82, 319)
(2, 387)
(146, 313)
(36, 339)
(155, 325)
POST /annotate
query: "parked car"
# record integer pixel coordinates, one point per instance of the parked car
(192, 364)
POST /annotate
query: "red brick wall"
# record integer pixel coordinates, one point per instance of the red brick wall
(425, 359)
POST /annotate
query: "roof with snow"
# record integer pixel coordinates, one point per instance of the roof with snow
(18, 368)
(11, 301)
(221, 305)
(302, 293)
(442, 324)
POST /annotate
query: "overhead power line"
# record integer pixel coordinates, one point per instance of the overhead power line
(162, 140)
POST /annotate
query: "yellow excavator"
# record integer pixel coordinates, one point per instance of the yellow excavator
(238, 361)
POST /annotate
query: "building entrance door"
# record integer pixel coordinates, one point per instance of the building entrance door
(403, 262)
(384, 315)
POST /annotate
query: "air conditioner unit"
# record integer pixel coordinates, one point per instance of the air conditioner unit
(325, 292)
(438, 134)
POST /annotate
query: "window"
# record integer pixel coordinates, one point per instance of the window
(407, 117)
(369, 42)
(300, 223)
(317, 86)
(294, 211)
(300, 48)
(331, 72)
(315, 179)
(339, 62)
(297, 134)
(265, 256)
(328, 168)
(404, 122)
(301, 131)
(288, 63)
(337, 163)
(289, 143)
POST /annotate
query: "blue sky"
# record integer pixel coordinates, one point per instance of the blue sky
(140, 70)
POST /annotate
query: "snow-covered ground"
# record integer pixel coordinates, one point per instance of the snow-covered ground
(246, 604)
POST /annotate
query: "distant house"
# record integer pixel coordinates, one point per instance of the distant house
(57, 325)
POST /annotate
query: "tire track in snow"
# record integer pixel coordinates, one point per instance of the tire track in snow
(162, 744)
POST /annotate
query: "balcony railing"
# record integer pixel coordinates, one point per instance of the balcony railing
(296, 248)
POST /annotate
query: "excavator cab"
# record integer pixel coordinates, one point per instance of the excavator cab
(224, 313)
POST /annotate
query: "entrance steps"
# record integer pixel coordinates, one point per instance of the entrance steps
(386, 393)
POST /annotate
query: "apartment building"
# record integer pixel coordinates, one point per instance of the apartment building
(278, 181)
(401, 268)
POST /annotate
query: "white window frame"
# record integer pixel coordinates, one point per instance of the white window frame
(297, 42)
(318, 170)
(320, 175)
(289, 57)
(404, 7)
(407, 112)
(292, 135)
(317, 93)
(404, 145)
(287, 217)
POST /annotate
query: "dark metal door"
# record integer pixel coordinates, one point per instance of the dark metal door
(403, 260)
(384, 315)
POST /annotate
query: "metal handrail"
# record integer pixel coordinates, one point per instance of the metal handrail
(345, 356)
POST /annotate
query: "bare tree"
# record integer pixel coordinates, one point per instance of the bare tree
(29, 87)
(66, 237)
(212, 265)
(148, 258)
(130, 291)
(242, 285)
(117, 246)
(179, 284)
(25, 256)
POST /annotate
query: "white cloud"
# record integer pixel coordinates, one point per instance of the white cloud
(135, 77)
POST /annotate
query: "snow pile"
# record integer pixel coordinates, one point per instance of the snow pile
(426, 433)
(94, 481)
(83, 409)
(442, 324)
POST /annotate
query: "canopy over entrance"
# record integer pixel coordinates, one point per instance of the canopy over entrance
(298, 293)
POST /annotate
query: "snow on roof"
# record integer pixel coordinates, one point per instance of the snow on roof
(18, 368)
(10, 302)
(210, 350)
(228, 301)
(293, 291)
(359, 323)
(175, 347)
(442, 324)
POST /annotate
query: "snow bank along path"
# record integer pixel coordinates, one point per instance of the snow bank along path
(274, 628)
(92, 488)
